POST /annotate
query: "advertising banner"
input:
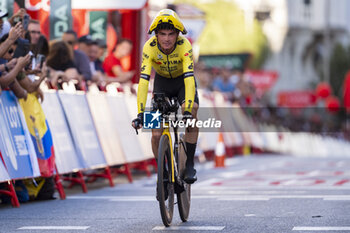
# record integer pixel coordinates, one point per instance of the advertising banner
(39, 10)
(83, 130)
(107, 128)
(136, 147)
(67, 159)
(60, 17)
(296, 99)
(4, 176)
(13, 141)
(262, 80)
(229, 61)
(98, 25)
(40, 134)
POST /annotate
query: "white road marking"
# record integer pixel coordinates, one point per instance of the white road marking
(250, 215)
(256, 192)
(225, 197)
(243, 199)
(332, 188)
(233, 174)
(314, 173)
(337, 198)
(188, 228)
(54, 228)
(321, 228)
(207, 182)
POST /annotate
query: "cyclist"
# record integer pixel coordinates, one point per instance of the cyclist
(170, 55)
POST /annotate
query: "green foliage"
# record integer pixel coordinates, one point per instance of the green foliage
(339, 66)
(227, 31)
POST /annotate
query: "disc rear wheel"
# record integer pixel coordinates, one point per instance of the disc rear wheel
(183, 198)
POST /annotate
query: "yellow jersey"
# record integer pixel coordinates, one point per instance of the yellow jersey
(177, 64)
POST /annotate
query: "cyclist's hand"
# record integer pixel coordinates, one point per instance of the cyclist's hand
(187, 116)
(137, 122)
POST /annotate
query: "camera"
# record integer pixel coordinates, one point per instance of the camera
(30, 64)
(39, 61)
(24, 21)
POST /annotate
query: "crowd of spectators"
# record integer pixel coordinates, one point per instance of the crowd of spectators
(233, 83)
(237, 88)
(27, 58)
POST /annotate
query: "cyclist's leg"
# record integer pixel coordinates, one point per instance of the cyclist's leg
(156, 134)
(191, 137)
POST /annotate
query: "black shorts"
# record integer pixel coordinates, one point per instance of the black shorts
(172, 87)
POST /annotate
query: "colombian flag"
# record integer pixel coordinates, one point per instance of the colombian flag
(40, 134)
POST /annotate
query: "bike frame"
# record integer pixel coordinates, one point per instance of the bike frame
(173, 151)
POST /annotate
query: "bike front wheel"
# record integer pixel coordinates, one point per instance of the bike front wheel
(165, 186)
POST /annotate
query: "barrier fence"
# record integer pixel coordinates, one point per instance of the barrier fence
(75, 132)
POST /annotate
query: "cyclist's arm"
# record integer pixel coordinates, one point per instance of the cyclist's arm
(190, 86)
(146, 68)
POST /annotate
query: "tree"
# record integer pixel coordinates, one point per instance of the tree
(339, 66)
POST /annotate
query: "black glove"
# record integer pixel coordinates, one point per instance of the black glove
(138, 122)
(187, 116)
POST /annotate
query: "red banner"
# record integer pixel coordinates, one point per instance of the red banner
(40, 10)
(262, 80)
(297, 99)
(347, 92)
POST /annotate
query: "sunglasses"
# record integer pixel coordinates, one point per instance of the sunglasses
(11, 51)
(34, 32)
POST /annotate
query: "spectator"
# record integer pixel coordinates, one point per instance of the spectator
(34, 31)
(12, 68)
(245, 89)
(97, 71)
(40, 51)
(14, 34)
(5, 25)
(29, 85)
(80, 59)
(61, 64)
(84, 43)
(102, 50)
(112, 64)
(222, 83)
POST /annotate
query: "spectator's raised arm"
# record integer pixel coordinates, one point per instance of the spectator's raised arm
(14, 34)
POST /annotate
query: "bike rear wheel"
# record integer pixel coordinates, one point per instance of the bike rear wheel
(183, 198)
(165, 186)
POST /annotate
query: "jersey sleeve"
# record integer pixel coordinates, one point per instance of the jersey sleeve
(146, 68)
(190, 86)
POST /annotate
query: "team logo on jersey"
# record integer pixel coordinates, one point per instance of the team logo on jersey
(186, 54)
(190, 66)
(180, 42)
(159, 62)
(143, 68)
(159, 56)
(153, 43)
(145, 55)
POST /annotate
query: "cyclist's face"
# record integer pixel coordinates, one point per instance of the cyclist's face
(167, 39)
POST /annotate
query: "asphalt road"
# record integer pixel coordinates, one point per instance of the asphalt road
(273, 194)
